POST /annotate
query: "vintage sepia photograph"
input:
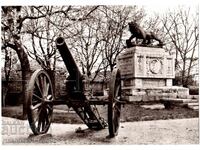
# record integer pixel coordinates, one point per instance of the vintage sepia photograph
(100, 74)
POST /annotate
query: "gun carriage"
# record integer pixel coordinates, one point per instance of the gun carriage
(40, 98)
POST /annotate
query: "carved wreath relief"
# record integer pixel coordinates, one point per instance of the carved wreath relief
(154, 66)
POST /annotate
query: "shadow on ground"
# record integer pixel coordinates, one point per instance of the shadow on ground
(130, 112)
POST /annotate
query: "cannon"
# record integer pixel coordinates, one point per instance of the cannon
(40, 98)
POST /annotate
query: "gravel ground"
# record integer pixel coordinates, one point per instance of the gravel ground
(177, 131)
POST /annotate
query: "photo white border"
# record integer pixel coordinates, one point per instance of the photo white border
(103, 2)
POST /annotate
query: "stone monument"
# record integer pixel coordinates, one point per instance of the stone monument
(147, 72)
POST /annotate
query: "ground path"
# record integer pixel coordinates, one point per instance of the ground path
(178, 131)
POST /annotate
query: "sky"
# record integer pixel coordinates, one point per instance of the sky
(151, 6)
(160, 3)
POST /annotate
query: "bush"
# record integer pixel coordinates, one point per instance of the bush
(194, 90)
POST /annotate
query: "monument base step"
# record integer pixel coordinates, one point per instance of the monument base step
(188, 103)
(196, 108)
(145, 98)
(153, 106)
(193, 104)
(180, 100)
(156, 93)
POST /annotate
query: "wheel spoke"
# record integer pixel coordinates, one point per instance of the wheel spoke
(44, 86)
(47, 120)
(49, 112)
(37, 97)
(115, 107)
(41, 118)
(49, 107)
(44, 119)
(47, 89)
(117, 100)
(39, 124)
(36, 106)
(38, 86)
(117, 91)
(49, 99)
(43, 124)
(36, 114)
(41, 84)
(35, 120)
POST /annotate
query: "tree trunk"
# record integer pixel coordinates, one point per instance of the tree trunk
(183, 73)
(25, 68)
(7, 69)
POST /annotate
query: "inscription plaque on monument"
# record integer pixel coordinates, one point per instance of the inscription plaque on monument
(126, 65)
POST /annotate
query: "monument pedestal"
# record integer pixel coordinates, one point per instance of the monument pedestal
(147, 74)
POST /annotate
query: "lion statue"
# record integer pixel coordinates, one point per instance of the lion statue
(138, 33)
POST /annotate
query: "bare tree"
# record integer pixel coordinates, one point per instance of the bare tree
(99, 38)
(181, 27)
(42, 36)
(11, 40)
(55, 21)
(114, 27)
(87, 43)
(15, 26)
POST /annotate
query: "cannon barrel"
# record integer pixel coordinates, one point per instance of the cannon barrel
(75, 76)
(68, 59)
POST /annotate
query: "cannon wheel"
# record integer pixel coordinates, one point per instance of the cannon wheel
(114, 105)
(39, 100)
